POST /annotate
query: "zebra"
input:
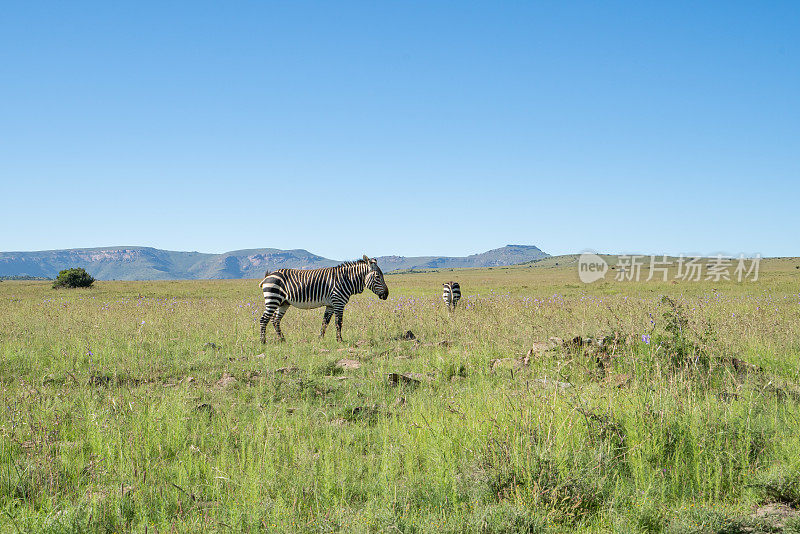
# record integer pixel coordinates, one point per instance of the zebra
(331, 287)
(451, 294)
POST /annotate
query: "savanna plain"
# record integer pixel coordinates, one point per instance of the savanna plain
(540, 405)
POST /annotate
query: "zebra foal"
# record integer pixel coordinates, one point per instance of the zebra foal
(331, 287)
(451, 294)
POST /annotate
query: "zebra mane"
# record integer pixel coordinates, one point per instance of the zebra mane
(351, 263)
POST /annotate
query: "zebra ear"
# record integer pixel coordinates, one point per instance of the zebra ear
(366, 259)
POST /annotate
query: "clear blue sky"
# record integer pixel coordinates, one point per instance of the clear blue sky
(401, 127)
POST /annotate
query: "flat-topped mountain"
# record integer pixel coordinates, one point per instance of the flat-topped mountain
(146, 263)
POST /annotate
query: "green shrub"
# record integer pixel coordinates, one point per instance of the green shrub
(76, 277)
(680, 343)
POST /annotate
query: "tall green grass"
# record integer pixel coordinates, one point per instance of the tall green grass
(152, 406)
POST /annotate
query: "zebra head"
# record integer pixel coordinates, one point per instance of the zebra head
(374, 279)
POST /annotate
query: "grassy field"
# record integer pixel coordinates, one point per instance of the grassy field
(152, 407)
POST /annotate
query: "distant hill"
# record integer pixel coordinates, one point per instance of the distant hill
(507, 255)
(145, 263)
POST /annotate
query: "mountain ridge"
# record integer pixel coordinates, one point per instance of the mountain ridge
(149, 263)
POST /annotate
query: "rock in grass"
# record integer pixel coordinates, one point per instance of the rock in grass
(344, 363)
(744, 367)
(509, 363)
(226, 380)
(776, 514)
(541, 346)
(406, 378)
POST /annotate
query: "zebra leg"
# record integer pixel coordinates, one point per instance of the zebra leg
(265, 319)
(339, 317)
(277, 319)
(326, 319)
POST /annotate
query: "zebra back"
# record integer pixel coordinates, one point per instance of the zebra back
(451, 294)
(314, 285)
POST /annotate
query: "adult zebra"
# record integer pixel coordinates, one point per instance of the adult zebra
(451, 294)
(331, 287)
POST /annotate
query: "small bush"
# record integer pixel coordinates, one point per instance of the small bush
(76, 277)
(682, 349)
(454, 370)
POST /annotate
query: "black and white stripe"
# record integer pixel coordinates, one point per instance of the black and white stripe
(331, 287)
(451, 294)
